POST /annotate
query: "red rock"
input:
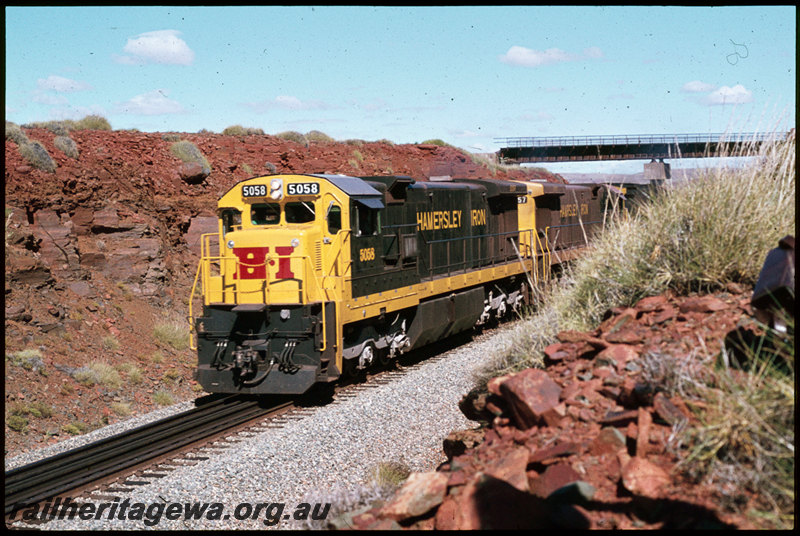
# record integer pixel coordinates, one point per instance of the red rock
(459, 441)
(644, 478)
(608, 441)
(494, 384)
(553, 416)
(511, 468)
(615, 323)
(666, 314)
(666, 410)
(652, 303)
(530, 394)
(618, 355)
(556, 352)
(643, 435)
(445, 518)
(554, 477)
(547, 454)
(420, 493)
(629, 335)
(703, 304)
(620, 418)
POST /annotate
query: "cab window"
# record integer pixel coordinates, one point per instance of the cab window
(368, 221)
(334, 219)
(265, 214)
(231, 218)
(302, 212)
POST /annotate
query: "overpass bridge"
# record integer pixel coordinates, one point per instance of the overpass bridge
(629, 147)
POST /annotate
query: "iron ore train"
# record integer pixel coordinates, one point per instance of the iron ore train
(312, 277)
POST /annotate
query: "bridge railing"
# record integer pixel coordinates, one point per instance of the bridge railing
(637, 139)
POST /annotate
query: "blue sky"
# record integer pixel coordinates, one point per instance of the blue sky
(466, 75)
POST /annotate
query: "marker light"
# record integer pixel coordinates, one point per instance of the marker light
(276, 189)
(230, 244)
(295, 242)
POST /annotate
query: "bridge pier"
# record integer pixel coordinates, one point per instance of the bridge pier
(655, 171)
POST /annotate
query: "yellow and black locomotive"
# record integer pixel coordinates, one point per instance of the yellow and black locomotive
(314, 276)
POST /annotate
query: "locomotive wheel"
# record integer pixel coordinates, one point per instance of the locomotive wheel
(382, 357)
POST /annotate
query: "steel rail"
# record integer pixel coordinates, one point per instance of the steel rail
(63, 472)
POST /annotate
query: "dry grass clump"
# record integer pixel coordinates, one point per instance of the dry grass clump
(188, 152)
(239, 130)
(291, 135)
(36, 155)
(15, 134)
(67, 146)
(172, 333)
(98, 373)
(315, 136)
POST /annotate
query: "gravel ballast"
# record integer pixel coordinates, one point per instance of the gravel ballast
(326, 454)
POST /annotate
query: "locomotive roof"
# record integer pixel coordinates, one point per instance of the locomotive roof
(352, 186)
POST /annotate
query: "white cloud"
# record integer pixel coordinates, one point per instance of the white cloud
(152, 103)
(737, 94)
(162, 46)
(61, 84)
(526, 57)
(696, 86)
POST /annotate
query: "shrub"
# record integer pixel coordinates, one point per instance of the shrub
(75, 428)
(93, 122)
(172, 375)
(387, 142)
(29, 359)
(17, 423)
(173, 333)
(247, 169)
(271, 167)
(390, 474)
(239, 130)
(163, 398)
(98, 373)
(291, 135)
(171, 137)
(36, 154)
(357, 143)
(123, 409)
(315, 136)
(188, 152)
(40, 410)
(67, 146)
(205, 131)
(15, 134)
(110, 343)
(134, 373)
(357, 155)
(436, 141)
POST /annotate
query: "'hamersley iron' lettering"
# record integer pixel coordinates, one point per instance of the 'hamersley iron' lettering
(439, 219)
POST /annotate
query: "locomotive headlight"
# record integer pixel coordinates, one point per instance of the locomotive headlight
(230, 244)
(295, 242)
(276, 189)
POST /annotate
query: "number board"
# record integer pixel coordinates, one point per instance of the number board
(254, 190)
(302, 188)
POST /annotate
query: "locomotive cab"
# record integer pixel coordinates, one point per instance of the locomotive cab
(270, 288)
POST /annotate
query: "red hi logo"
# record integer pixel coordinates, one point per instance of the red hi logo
(252, 262)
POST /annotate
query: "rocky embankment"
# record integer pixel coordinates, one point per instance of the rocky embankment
(103, 251)
(590, 441)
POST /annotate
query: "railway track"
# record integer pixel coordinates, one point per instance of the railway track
(109, 459)
(90, 463)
